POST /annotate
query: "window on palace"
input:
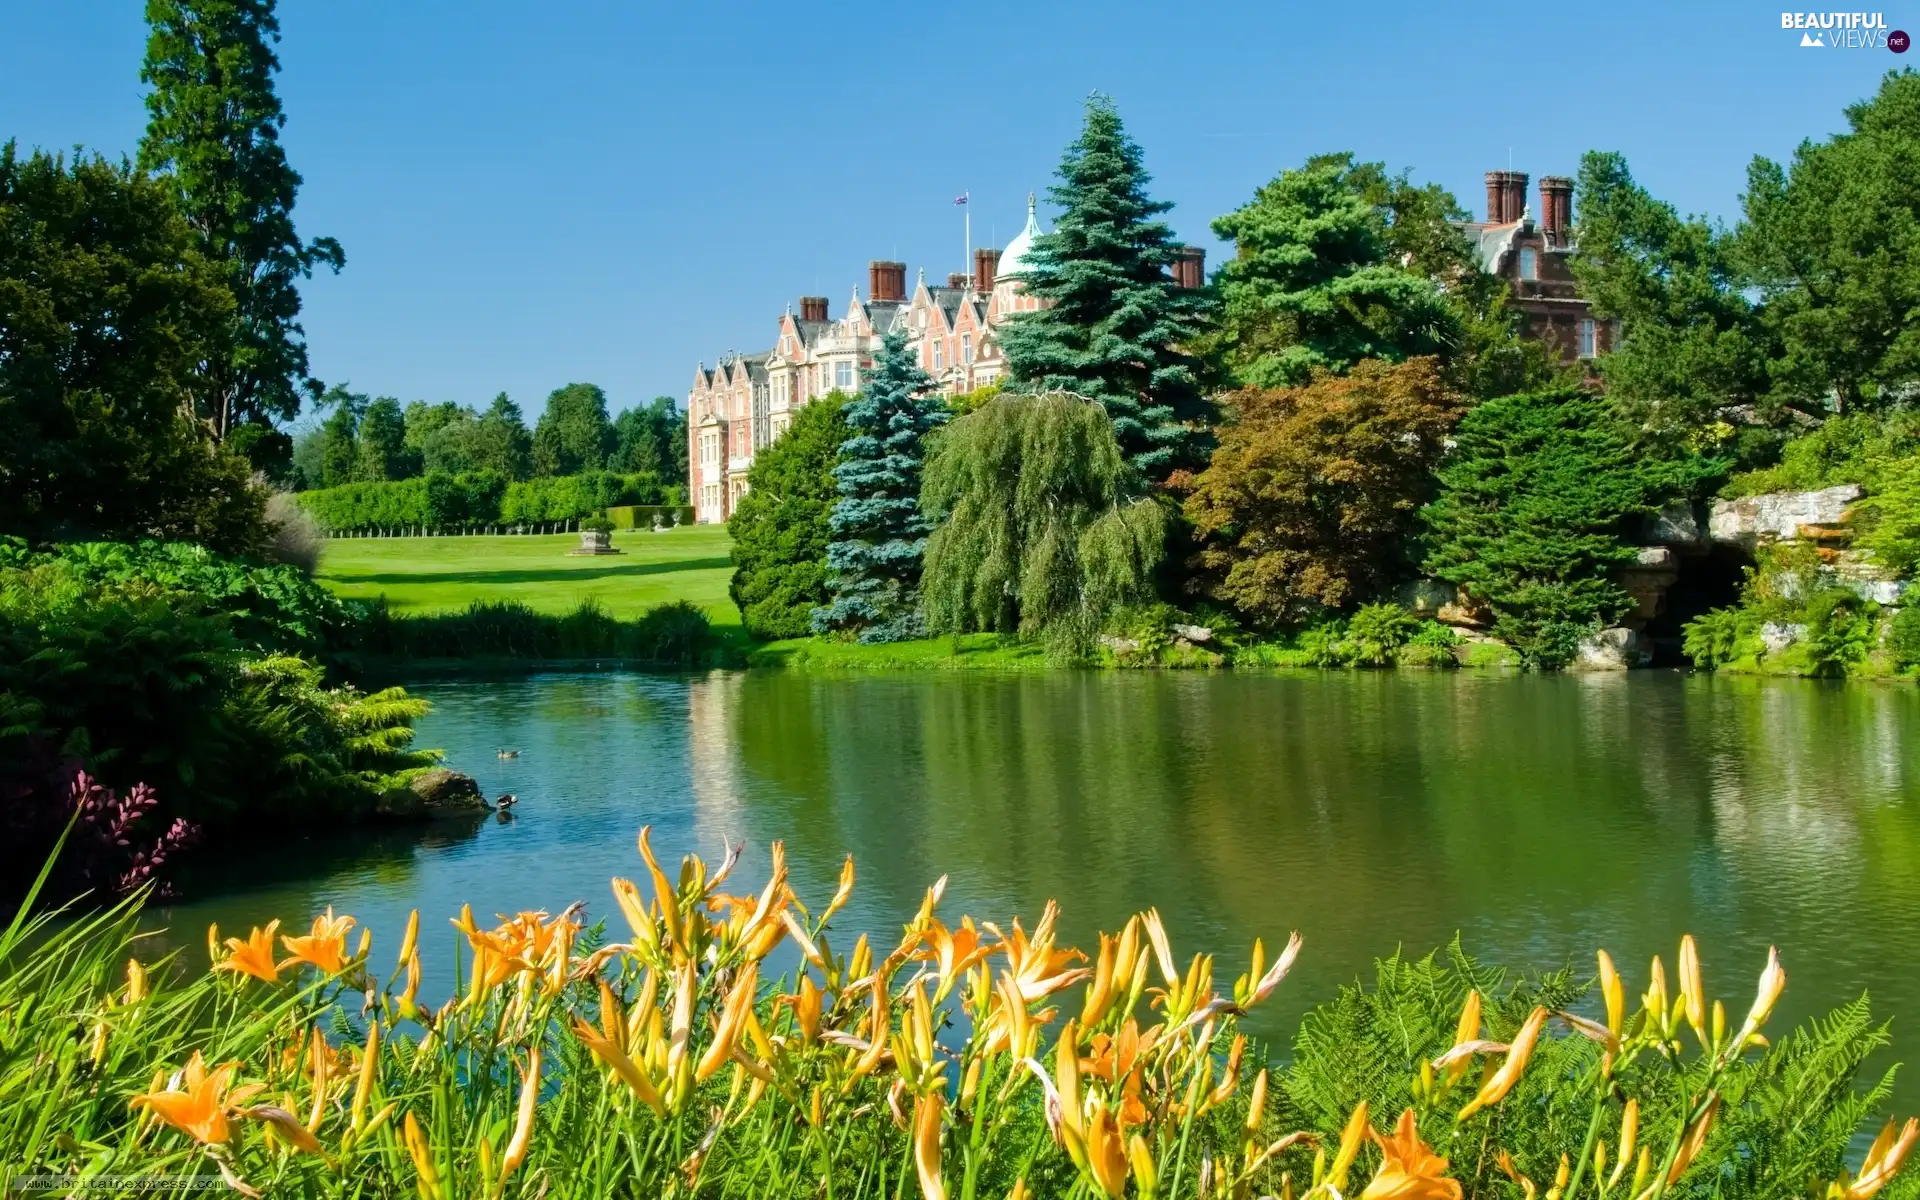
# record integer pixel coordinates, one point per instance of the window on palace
(937, 354)
(843, 375)
(1529, 264)
(966, 348)
(1586, 338)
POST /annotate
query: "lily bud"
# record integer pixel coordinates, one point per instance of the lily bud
(1614, 994)
(1773, 981)
(409, 940)
(1692, 989)
(1145, 1175)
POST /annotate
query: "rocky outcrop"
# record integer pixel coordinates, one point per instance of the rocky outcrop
(1679, 527)
(435, 794)
(1753, 521)
(1616, 649)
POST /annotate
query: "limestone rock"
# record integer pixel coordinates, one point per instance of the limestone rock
(1777, 636)
(1752, 521)
(1616, 649)
(1867, 578)
(434, 794)
(1119, 645)
(1678, 526)
(1193, 633)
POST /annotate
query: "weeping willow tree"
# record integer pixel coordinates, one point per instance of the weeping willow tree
(1043, 527)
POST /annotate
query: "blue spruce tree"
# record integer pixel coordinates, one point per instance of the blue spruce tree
(1116, 324)
(879, 536)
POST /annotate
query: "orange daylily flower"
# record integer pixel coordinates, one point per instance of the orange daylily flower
(1884, 1159)
(927, 1110)
(1107, 1154)
(199, 1107)
(1035, 967)
(1409, 1169)
(955, 951)
(254, 956)
(325, 947)
(1502, 1081)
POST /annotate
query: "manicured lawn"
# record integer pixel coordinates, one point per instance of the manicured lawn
(438, 574)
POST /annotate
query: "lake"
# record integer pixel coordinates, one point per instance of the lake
(1537, 817)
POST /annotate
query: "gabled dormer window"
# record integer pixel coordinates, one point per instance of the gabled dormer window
(1529, 263)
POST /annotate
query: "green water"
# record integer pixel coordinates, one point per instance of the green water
(1537, 817)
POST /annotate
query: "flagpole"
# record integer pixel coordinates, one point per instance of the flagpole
(966, 255)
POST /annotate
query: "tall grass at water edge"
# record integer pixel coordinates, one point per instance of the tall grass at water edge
(676, 633)
(962, 1060)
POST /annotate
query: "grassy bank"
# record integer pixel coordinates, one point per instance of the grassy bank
(447, 574)
(974, 651)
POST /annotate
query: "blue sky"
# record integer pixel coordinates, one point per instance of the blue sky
(533, 194)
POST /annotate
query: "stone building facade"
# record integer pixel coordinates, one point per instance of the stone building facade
(1530, 253)
(745, 401)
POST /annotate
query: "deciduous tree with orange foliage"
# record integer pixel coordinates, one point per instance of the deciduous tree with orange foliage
(1310, 498)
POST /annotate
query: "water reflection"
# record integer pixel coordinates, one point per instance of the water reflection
(1537, 817)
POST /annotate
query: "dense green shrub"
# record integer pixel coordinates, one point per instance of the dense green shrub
(1889, 518)
(780, 527)
(1534, 501)
(274, 609)
(163, 666)
(1722, 637)
(1903, 638)
(672, 634)
(1378, 635)
(1844, 449)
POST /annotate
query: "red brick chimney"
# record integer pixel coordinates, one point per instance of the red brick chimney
(1190, 267)
(957, 279)
(1506, 196)
(886, 280)
(986, 262)
(1556, 209)
(813, 308)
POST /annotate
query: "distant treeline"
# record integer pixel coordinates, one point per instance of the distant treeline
(447, 502)
(374, 440)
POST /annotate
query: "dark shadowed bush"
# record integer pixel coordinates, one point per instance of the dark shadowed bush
(672, 634)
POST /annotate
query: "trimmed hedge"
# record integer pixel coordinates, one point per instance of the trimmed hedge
(641, 516)
(566, 497)
(442, 501)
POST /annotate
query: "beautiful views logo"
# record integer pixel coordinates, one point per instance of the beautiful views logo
(1845, 31)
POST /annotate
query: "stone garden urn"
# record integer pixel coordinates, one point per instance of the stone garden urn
(594, 539)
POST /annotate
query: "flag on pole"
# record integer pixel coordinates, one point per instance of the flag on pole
(962, 197)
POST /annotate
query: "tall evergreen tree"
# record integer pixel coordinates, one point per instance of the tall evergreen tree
(1116, 325)
(879, 536)
(383, 443)
(501, 442)
(780, 529)
(214, 128)
(574, 434)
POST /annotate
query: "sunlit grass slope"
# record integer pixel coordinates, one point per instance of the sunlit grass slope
(442, 574)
